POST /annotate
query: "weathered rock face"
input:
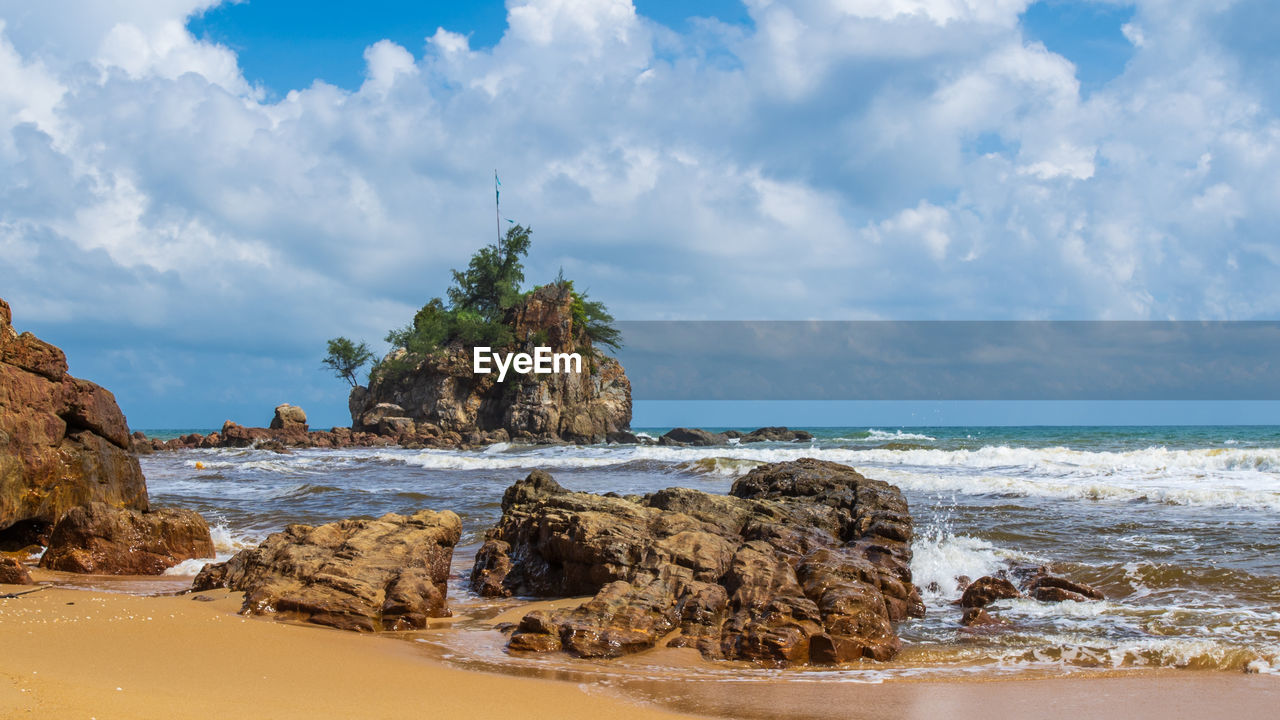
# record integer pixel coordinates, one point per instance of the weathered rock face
(105, 540)
(365, 575)
(442, 400)
(805, 562)
(63, 441)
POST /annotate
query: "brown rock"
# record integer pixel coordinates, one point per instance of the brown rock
(289, 417)
(986, 590)
(978, 617)
(63, 441)
(13, 572)
(359, 574)
(104, 540)
(806, 561)
(1050, 588)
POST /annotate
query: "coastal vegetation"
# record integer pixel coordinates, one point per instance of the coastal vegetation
(480, 310)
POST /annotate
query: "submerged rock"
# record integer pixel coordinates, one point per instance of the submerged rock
(63, 441)
(804, 562)
(104, 540)
(357, 574)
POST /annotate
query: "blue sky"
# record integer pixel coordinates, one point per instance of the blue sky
(195, 194)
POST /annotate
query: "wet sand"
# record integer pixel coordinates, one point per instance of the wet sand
(70, 653)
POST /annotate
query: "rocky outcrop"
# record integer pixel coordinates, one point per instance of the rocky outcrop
(360, 574)
(13, 572)
(440, 400)
(804, 562)
(105, 540)
(63, 441)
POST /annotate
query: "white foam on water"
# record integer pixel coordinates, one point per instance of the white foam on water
(1218, 477)
(874, 435)
(938, 558)
(192, 567)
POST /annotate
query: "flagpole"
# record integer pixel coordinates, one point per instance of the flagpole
(497, 214)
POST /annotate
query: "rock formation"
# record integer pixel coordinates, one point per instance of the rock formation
(63, 441)
(440, 400)
(105, 540)
(289, 417)
(13, 572)
(358, 574)
(804, 562)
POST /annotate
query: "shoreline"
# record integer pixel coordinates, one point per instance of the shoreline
(68, 650)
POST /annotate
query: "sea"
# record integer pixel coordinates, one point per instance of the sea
(1178, 526)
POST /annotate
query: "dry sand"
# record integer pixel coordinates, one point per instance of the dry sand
(79, 654)
(82, 654)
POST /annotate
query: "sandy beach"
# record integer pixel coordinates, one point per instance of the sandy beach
(84, 654)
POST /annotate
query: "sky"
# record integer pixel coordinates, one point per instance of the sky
(195, 195)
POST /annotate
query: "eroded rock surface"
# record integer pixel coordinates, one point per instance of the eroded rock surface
(106, 540)
(63, 441)
(804, 562)
(357, 574)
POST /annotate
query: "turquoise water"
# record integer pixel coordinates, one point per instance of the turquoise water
(1179, 526)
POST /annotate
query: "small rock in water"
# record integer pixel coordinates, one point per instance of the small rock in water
(978, 617)
(986, 590)
(1050, 588)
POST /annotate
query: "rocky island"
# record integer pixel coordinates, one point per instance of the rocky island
(427, 390)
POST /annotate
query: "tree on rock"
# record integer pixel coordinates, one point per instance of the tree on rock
(346, 358)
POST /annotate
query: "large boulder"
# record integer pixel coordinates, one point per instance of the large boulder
(105, 540)
(357, 574)
(289, 417)
(63, 441)
(441, 398)
(804, 562)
